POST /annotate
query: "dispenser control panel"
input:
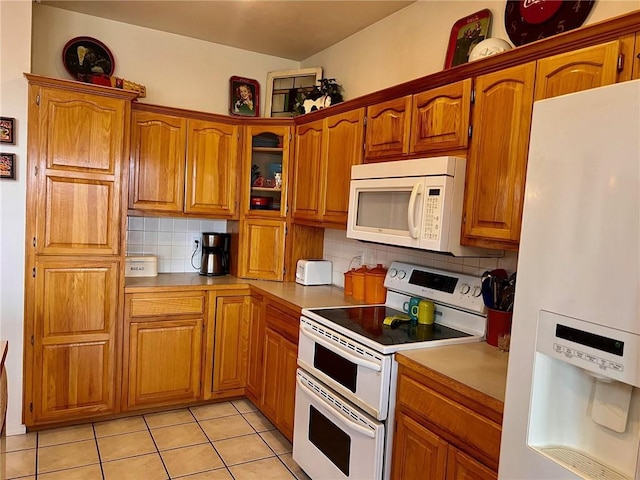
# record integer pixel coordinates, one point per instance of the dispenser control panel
(602, 350)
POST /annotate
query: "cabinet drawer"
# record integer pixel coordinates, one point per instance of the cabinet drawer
(476, 433)
(176, 303)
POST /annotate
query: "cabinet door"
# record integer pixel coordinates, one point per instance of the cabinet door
(262, 249)
(497, 160)
(388, 127)
(266, 154)
(76, 308)
(636, 58)
(417, 453)
(440, 118)
(80, 147)
(231, 343)
(156, 175)
(256, 345)
(342, 147)
(578, 70)
(164, 362)
(287, 394)
(306, 171)
(212, 168)
(463, 467)
(271, 377)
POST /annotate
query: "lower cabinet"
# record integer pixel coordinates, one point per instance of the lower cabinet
(444, 432)
(279, 362)
(256, 348)
(163, 348)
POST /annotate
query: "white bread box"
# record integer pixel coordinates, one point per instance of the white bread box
(141, 266)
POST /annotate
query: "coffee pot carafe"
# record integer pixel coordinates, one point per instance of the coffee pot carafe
(215, 253)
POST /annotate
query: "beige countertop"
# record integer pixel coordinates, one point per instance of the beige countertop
(291, 292)
(477, 365)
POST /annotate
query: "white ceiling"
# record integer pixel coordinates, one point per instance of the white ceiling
(292, 29)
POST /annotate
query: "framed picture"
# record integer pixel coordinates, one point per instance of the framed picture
(244, 97)
(287, 87)
(85, 57)
(8, 166)
(466, 33)
(7, 130)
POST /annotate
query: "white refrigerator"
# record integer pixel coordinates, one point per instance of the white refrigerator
(572, 405)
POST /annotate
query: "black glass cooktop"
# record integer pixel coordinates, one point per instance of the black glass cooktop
(367, 322)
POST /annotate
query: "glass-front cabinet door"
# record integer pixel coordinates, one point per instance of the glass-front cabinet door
(265, 170)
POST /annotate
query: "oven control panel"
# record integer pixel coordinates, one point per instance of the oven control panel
(452, 288)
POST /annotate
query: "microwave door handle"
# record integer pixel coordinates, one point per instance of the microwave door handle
(411, 210)
(343, 351)
(345, 422)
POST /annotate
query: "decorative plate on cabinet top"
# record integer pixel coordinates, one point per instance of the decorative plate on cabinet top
(86, 56)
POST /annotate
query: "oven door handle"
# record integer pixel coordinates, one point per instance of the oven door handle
(411, 210)
(344, 421)
(343, 351)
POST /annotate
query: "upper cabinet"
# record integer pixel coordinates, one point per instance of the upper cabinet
(388, 129)
(432, 121)
(183, 164)
(497, 160)
(265, 170)
(578, 70)
(326, 151)
(440, 118)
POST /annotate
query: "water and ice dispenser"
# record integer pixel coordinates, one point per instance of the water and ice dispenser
(585, 402)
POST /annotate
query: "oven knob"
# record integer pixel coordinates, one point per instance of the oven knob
(476, 291)
(465, 288)
(402, 274)
(393, 272)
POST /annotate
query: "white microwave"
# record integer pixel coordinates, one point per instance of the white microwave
(411, 203)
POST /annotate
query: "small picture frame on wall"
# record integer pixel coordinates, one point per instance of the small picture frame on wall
(8, 166)
(7, 130)
(244, 97)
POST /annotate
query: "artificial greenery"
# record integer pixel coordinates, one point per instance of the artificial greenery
(327, 87)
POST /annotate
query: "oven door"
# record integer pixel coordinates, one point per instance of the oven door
(332, 439)
(358, 373)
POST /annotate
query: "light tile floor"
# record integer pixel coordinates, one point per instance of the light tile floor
(221, 441)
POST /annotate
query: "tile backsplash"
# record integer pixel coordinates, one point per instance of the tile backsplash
(343, 252)
(171, 239)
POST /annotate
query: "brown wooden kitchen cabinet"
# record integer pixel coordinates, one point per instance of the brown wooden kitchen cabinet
(73, 285)
(267, 151)
(388, 129)
(280, 353)
(636, 58)
(578, 70)
(497, 160)
(183, 163)
(231, 342)
(326, 152)
(163, 348)
(443, 431)
(256, 345)
(440, 118)
(262, 243)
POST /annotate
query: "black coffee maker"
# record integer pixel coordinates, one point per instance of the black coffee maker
(215, 253)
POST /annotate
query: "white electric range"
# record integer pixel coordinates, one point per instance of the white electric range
(346, 381)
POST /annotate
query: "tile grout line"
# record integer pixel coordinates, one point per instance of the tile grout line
(144, 419)
(95, 438)
(211, 442)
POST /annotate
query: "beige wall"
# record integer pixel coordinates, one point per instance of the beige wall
(15, 54)
(177, 71)
(413, 43)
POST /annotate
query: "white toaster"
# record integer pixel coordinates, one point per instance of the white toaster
(314, 272)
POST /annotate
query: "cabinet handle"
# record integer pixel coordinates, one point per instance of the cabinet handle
(620, 62)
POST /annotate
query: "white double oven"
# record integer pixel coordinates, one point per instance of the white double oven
(346, 380)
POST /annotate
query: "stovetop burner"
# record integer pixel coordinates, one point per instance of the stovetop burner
(367, 321)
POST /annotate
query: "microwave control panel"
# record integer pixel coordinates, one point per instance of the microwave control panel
(432, 214)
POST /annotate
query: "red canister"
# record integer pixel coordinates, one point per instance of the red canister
(374, 291)
(348, 282)
(358, 282)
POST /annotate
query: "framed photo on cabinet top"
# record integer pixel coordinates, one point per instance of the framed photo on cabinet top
(287, 87)
(7, 130)
(466, 33)
(244, 97)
